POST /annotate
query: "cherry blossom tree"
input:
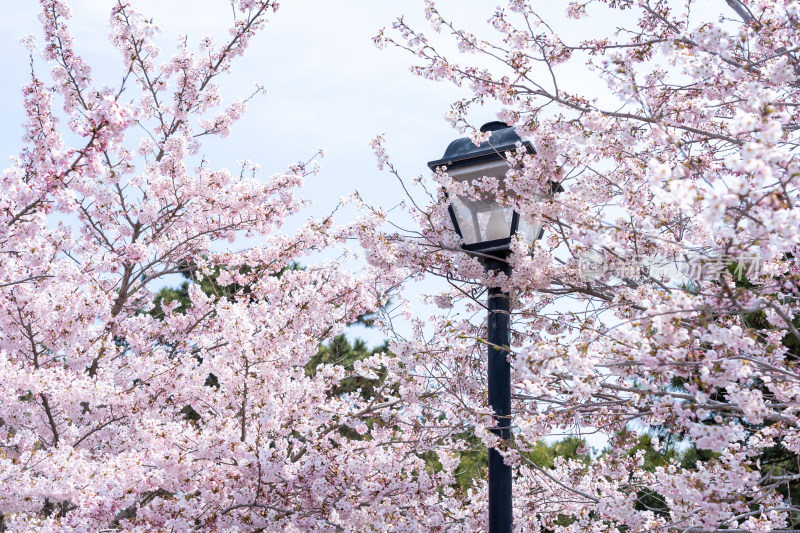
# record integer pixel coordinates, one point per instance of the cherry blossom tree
(119, 411)
(664, 294)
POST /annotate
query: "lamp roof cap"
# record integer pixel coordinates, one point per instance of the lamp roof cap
(463, 152)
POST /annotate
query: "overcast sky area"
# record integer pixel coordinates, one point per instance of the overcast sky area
(327, 85)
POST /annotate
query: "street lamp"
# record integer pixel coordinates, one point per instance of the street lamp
(486, 229)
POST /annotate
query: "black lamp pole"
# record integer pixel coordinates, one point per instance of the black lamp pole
(500, 513)
(486, 229)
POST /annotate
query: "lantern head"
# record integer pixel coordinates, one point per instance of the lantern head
(484, 225)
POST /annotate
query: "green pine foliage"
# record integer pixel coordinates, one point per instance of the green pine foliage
(209, 285)
(544, 455)
(339, 351)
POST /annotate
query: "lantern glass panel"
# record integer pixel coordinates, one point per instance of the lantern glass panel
(481, 219)
(530, 230)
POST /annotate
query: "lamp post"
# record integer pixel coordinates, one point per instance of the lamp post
(486, 228)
